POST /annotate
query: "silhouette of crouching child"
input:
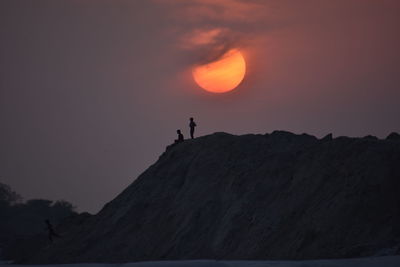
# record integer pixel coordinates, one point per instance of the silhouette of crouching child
(50, 230)
(180, 137)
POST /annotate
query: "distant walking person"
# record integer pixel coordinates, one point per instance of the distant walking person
(180, 137)
(51, 231)
(192, 125)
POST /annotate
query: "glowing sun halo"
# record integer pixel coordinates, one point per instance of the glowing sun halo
(222, 75)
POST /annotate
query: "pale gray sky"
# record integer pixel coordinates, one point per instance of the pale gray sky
(91, 92)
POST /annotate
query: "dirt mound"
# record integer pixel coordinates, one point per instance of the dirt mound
(273, 196)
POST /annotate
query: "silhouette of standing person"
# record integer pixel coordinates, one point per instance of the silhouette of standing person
(51, 231)
(192, 125)
(180, 137)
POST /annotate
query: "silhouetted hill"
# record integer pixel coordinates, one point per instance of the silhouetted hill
(273, 196)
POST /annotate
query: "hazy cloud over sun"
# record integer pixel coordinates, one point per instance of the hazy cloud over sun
(208, 29)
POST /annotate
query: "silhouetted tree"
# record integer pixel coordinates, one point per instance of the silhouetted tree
(7, 196)
(22, 231)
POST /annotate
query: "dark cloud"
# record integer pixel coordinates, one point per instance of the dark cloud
(209, 29)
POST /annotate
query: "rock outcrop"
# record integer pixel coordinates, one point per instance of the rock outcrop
(273, 196)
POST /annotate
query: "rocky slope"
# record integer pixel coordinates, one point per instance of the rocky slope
(273, 196)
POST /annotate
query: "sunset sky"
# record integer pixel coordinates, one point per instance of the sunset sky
(92, 91)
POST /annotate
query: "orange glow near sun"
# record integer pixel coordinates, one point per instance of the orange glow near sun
(222, 75)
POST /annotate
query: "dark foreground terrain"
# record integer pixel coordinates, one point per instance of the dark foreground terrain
(388, 261)
(273, 196)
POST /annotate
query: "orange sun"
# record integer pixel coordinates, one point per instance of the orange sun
(222, 75)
